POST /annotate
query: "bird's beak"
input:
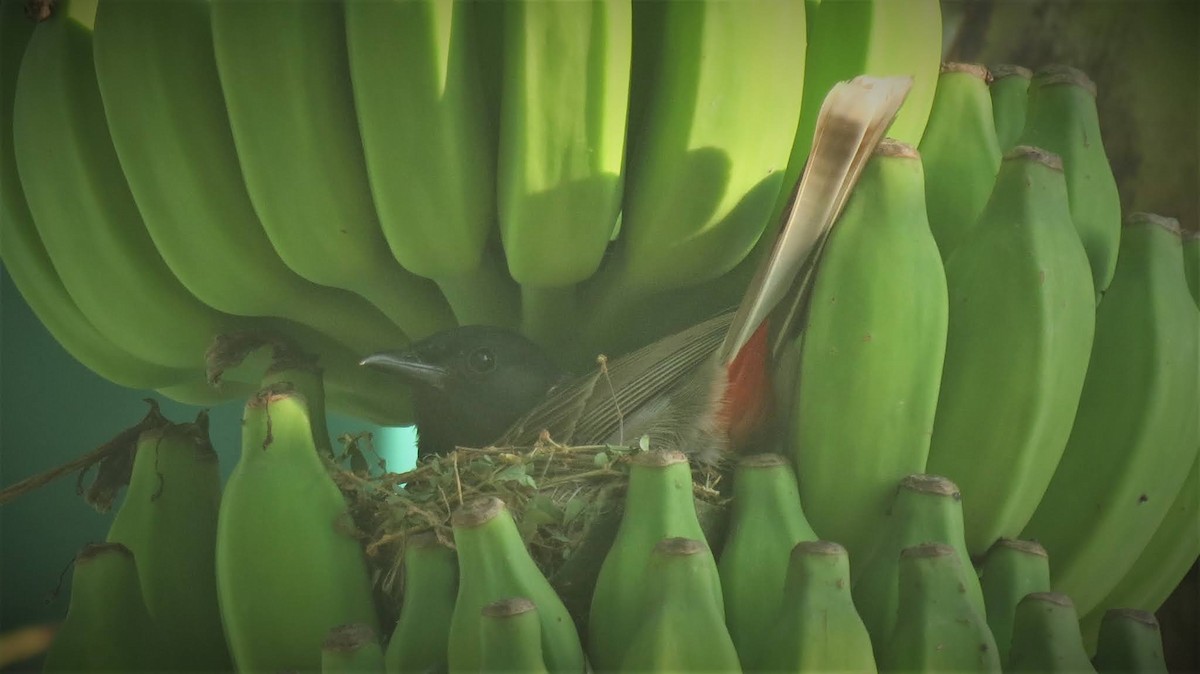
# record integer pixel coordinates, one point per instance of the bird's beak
(409, 366)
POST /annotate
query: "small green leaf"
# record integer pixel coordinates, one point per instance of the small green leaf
(644, 443)
(600, 460)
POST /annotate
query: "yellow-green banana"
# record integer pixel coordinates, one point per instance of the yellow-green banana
(938, 628)
(960, 154)
(681, 624)
(107, 628)
(511, 637)
(494, 564)
(1130, 641)
(1011, 569)
(25, 257)
(289, 568)
(562, 148)
(1010, 97)
(1135, 433)
(166, 115)
(291, 111)
(817, 628)
(169, 521)
(1045, 636)
(658, 505)
(352, 649)
(1022, 317)
(766, 523)
(419, 641)
(926, 508)
(1061, 117)
(421, 74)
(872, 354)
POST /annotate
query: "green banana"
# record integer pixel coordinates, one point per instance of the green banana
(658, 505)
(292, 115)
(421, 73)
(1061, 117)
(1010, 97)
(1022, 317)
(283, 545)
(168, 520)
(419, 641)
(511, 637)
(681, 624)
(817, 628)
(1130, 641)
(706, 153)
(766, 523)
(166, 114)
(351, 649)
(1012, 569)
(938, 628)
(926, 508)
(25, 257)
(871, 360)
(562, 148)
(1135, 434)
(1046, 637)
(305, 377)
(960, 154)
(1191, 263)
(107, 628)
(848, 38)
(494, 564)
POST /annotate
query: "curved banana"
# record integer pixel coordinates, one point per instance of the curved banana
(422, 73)
(766, 524)
(285, 545)
(960, 154)
(937, 627)
(168, 520)
(872, 354)
(166, 114)
(562, 148)
(1061, 117)
(292, 115)
(511, 637)
(1011, 569)
(1022, 317)
(1010, 97)
(1045, 636)
(1130, 641)
(25, 257)
(1135, 433)
(421, 635)
(352, 649)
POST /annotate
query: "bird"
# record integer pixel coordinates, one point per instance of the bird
(705, 390)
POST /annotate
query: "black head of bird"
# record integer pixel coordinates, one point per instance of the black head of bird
(469, 384)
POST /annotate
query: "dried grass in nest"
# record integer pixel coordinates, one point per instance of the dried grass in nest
(555, 493)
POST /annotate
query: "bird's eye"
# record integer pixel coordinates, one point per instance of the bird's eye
(481, 361)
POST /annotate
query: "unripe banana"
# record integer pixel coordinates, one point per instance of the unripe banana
(420, 639)
(303, 375)
(926, 508)
(872, 354)
(938, 627)
(1135, 434)
(817, 628)
(681, 624)
(1045, 636)
(562, 148)
(960, 154)
(1130, 641)
(107, 628)
(168, 520)
(421, 75)
(511, 637)
(1061, 117)
(494, 564)
(766, 523)
(1020, 286)
(658, 505)
(288, 567)
(1010, 97)
(351, 649)
(1191, 263)
(1012, 569)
